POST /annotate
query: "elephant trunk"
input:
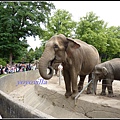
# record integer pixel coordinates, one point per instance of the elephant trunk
(95, 86)
(45, 69)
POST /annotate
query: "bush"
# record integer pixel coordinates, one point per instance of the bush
(2, 62)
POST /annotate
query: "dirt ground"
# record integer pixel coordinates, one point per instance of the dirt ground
(116, 89)
(115, 85)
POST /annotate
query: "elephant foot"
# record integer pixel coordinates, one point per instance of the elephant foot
(89, 92)
(90, 89)
(74, 95)
(103, 93)
(68, 94)
(111, 95)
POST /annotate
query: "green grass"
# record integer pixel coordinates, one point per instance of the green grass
(3, 75)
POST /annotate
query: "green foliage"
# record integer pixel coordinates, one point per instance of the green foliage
(92, 30)
(89, 29)
(30, 56)
(113, 42)
(3, 75)
(2, 62)
(19, 20)
(21, 56)
(60, 23)
(38, 52)
(95, 32)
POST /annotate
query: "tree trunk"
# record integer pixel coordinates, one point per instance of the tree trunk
(10, 59)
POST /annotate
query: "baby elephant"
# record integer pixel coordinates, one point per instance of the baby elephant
(107, 72)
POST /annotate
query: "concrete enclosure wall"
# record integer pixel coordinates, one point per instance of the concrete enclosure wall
(9, 108)
(10, 82)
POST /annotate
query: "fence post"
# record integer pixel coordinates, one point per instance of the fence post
(60, 67)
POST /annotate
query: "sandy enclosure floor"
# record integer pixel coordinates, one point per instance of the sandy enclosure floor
(115, 85)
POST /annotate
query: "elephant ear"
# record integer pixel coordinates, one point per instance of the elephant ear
(74, 44)
(104, 70)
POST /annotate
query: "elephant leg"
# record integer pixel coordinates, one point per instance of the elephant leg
(90, 86)
(74, 85)
(109, 87)
(104, 85)
(67, 83)
(81, 82)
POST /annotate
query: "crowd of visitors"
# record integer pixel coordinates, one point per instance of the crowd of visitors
(18, 67)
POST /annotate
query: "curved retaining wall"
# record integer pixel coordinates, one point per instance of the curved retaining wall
(89, 106)
(9, 108)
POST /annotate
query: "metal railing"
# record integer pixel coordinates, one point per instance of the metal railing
(78, 95)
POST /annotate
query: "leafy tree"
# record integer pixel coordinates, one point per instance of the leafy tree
(2, 62)
(60, 23)
(93, 31)
(30, 56)
(113, 43)
(38, 53)
(19, 20)
(22, 57)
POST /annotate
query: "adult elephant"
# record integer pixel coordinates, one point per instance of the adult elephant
(77, 58)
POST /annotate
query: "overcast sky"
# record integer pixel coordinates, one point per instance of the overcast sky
(109, 11)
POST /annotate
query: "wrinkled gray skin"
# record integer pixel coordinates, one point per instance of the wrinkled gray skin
(107, 72)
(77, 58)
(55, 67)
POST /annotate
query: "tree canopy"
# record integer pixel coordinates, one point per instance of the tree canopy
(60, 23)
(95, 32)
(19, 20)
